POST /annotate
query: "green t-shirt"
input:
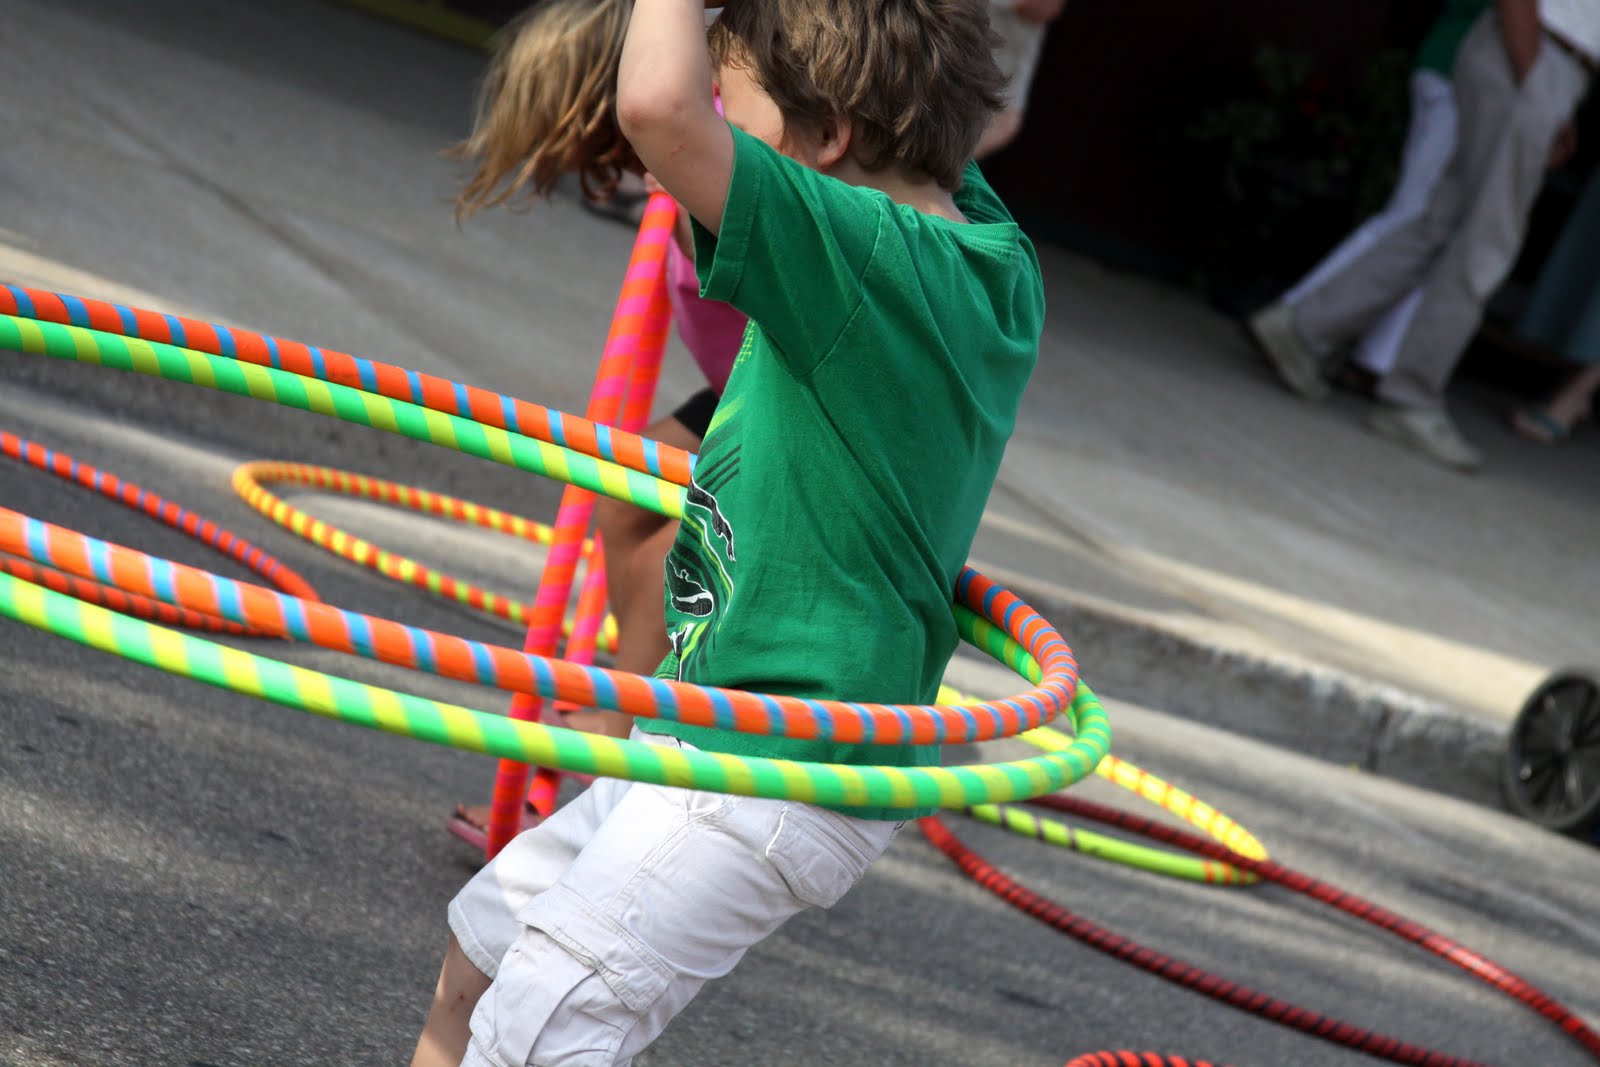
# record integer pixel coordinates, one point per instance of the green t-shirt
(847, 466)
(1438, 50)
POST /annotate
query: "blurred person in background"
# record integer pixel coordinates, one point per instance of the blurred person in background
(1020, 25)
(1519, 75)
(1563, 316)
(1429, 144)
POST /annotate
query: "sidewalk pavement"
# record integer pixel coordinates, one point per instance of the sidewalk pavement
(1212, 545)
(1207, 543)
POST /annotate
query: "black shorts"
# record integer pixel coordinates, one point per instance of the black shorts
(695, 413)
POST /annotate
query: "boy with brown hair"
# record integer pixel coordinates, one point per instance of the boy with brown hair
(895, 315)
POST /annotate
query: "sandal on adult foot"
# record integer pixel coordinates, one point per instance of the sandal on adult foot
(1539, 426)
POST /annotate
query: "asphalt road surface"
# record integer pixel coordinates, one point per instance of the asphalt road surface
(190, 876)
(193, 877)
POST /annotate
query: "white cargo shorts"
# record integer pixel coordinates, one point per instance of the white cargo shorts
(602, 923)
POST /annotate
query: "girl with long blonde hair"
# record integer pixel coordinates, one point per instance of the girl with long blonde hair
(547, 108)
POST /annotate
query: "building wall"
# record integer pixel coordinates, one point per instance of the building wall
(1108, 159)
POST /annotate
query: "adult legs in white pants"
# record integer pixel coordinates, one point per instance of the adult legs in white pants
(1458, 250)
(1430, 142)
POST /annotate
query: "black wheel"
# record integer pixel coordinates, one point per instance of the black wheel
(1552, 771)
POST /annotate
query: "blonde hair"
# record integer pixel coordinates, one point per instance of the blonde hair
(547, 107)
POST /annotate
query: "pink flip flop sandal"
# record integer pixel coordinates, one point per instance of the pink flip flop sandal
(1539, 426)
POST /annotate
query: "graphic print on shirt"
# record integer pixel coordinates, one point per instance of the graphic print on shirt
(688, 595)
(698, 497)
(699, 568)
(679, 639)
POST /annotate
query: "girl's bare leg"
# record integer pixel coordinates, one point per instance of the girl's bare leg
(637, 542)
(1576, 396)
(445, 1035)
(1553, 420)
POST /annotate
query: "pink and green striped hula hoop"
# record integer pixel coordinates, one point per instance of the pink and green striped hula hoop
(986, 609)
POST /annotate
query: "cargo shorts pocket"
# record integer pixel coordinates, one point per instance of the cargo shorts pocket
(547, 1007)
(819, 855)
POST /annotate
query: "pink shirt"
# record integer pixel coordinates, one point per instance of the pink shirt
(711, 330)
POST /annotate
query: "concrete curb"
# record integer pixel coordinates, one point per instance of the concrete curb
(1307, 707)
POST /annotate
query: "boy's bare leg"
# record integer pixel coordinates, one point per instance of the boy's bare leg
(445, 1035)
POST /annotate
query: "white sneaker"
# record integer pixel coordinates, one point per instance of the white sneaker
(1429, 431)
(1299, 368)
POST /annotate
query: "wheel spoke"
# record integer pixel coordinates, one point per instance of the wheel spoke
(1572, 782)
(1567, 725)
(1586, 730)
(1542, 752)
(1540, 779)
(1556, 748)
(1583, 767)
(1544, 727)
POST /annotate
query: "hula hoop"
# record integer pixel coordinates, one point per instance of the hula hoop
(589, 686)
(160, 360)
(179, 518)
(1173, 864)
(1124, 1058)
(1239, 996)
(1111, 849)
(624, 389)
(486, 441)
(169, 361)
(1125, 775)
(833, 785)
(1024, 639)
(183, 330)
(380, 379)
(1197, 813)
(109, 596)
(162, 510)
(250, 481)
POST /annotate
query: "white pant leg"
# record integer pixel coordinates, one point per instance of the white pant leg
(1503, 144)
(1430, 140)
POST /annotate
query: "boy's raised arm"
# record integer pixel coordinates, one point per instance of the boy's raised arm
(666, 110)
